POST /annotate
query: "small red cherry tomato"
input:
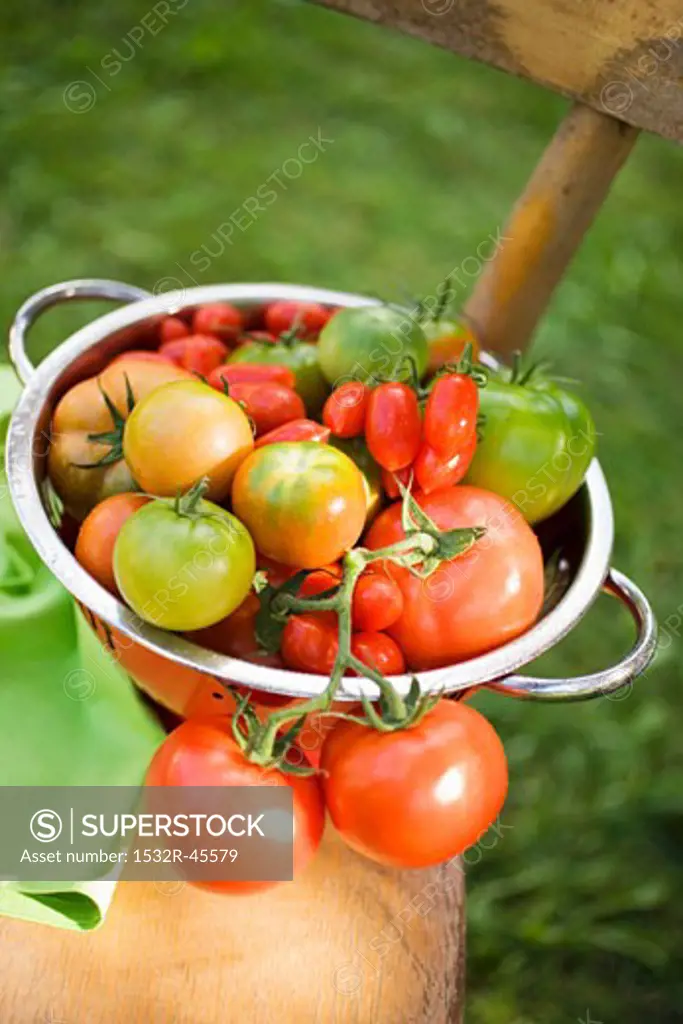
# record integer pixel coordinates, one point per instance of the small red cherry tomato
(219, 318)
(235, 636)
(234, 373)
(296, 430)
(268, 404)
(391, 488)
(198, 353)
(309, 644)
(451, 414)
(345, 410)
(393, 426)
(172, 327)
(433, 471)
(320, 580)
(308, 317)
(377, 602)
(378, 651)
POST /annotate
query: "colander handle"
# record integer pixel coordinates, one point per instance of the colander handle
(610, 680)
(109, 291)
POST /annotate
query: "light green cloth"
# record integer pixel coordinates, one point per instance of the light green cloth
(68, 714)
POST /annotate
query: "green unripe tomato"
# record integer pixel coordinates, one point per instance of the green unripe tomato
(368, 342)
(538, 442)
(183, 571)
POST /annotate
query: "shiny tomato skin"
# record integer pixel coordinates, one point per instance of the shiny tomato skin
(218, 318)
(319, 582)
(303, 502)
(308, 317)
(198, 353)
(345, 410)
(268, 405)
(82, 412)
(205, 754)
(377, 602)
(450, 419)
(97, 536)
(183, 571)
(295, 430)
(419, 796)
(309, 644)
(228, 374)
(183, 432)
(477, 601)
(389, 484)
(172, 327)
(378, 651)
(393, 425)
(434, 472)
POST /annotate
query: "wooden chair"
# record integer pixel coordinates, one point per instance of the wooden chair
(350, 943)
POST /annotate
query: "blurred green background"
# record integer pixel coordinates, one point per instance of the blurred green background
(130, 170)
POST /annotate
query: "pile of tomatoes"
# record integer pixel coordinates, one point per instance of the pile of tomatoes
(330, 491)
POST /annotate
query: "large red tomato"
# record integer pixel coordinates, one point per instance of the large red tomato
(205, 754)
(418, 796)
(477, 601)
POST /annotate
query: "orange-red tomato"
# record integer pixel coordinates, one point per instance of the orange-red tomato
(418, 796)
(182, 433)
(97, 536)
(346, 408)
(377, 602)
(477, 601)
(303, 502)
(83, 412)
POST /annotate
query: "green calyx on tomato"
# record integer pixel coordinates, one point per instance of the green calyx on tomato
(84, 458)
(112, 439)
(300, 356)
(365, 343)
(538, 440)
(184, 563)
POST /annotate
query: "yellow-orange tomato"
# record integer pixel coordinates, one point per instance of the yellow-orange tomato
(303, 502)
(98, 533)
(83, 412)
(183, 432)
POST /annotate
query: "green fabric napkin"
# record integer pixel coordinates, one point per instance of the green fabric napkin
(68, 714)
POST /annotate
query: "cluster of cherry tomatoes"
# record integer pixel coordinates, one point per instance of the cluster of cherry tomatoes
(267, 483)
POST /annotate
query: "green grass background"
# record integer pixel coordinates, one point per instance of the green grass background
(577, 907)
